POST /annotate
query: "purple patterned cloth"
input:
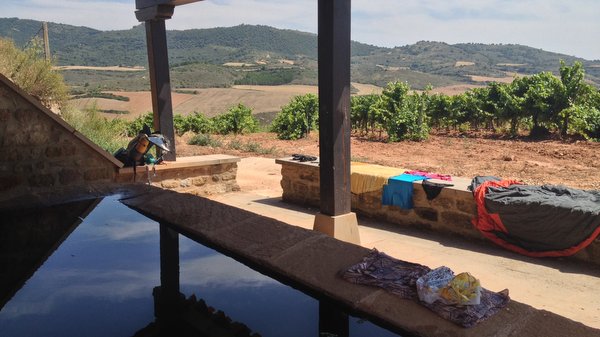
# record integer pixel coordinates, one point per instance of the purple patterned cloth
(400, 278)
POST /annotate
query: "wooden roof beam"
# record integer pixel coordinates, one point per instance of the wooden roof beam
(139, 4)
(157, 9)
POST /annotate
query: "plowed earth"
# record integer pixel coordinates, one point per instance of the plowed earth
(574, 163)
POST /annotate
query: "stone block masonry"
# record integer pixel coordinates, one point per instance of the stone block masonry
(200, 175)
(40, 151)
(450, 212)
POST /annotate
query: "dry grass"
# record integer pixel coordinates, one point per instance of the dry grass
(491, 79)
(457, 89)
(210, 102)
(463, 64)
(214, 101)
(110, 68)
(238, 64)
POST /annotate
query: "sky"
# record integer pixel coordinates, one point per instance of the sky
(565, 26)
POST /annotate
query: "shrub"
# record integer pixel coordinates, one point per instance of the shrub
(586, 122)
(134, 127)
(404, 116)
(108, 134)
(297, 118)
(236, 120)
(202, 139)
(235, 144)
(363, 115)
(33, 73)
(198, 123)
(180, 124)
(250, 146)
(268, 77)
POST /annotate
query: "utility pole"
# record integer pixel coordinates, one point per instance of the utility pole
(46, 41)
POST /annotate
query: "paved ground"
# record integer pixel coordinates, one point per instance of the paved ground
(567, 288)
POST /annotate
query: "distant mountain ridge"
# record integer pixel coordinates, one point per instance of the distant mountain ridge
(86, 46)
(265, 48)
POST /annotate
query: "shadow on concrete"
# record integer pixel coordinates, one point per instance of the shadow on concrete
(278, 202)
(564, 264)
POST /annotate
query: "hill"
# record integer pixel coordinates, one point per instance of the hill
(248, 54)
(244, 43)
(470, 62)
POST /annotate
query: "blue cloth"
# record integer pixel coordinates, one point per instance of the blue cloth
(399, 190)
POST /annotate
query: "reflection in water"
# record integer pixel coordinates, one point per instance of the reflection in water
(96, 283)
(100, 280)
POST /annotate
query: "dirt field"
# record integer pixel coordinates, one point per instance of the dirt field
(507, 79)
(572, 163)
(575, 164)
(211, 101)
(111, 68)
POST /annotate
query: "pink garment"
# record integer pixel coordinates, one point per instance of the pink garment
(430, 175)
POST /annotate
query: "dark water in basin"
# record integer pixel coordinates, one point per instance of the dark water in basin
(99, 282)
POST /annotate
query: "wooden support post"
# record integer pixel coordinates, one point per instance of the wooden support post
(334, 120)
(160, 81)
(334, 105)
(169, 260)
(332, 321)
(46, 41)
(154, 13)
(167, 298)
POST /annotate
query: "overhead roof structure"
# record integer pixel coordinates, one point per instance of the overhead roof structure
(335, 218)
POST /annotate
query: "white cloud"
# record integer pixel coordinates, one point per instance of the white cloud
(100, 14)
(58, 286)
(221, 271)
(568, 27)
(118, 230)
(63, 285)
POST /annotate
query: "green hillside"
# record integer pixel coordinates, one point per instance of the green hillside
(458, 62)
(85, 46)
(275, 56)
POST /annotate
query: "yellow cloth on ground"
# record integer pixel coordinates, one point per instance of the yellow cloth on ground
(370, 177)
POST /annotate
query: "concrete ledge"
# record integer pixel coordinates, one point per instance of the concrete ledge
(200, 175)
(187, 162)
(311, 262)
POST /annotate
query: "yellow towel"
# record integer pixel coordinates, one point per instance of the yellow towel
(370, 177)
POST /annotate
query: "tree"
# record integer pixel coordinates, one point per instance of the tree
(33, 73)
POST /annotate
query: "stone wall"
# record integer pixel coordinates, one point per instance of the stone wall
(38, 150)
(201, 175)
(450, 212)
(41, 153)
